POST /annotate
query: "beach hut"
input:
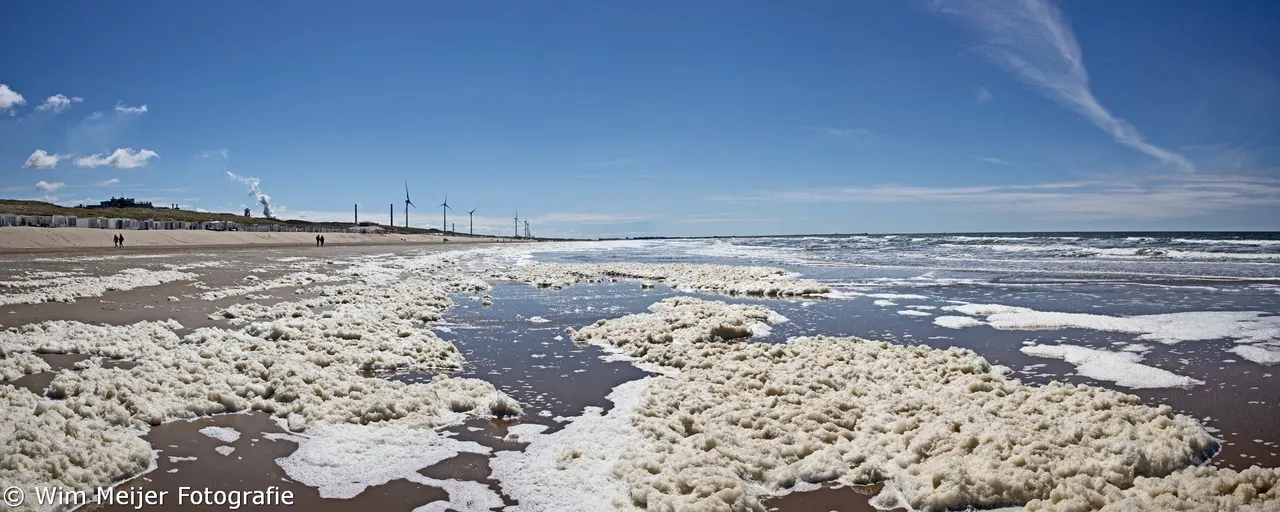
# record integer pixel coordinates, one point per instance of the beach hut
(9, 219)
(60, 221)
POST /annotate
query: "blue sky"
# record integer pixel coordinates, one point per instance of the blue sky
(657, 118)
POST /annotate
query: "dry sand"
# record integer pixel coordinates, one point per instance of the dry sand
(30, 239)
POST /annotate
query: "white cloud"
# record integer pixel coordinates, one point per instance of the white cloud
(125, 109)
(995, 160)
(1155, 197)
(215, 153)
(123, 158)
(58, 103)
(47, 187)
(110, 182)
(588, 218)
(43, 160)
(10, 98)
(983, 94)
(1031, 40)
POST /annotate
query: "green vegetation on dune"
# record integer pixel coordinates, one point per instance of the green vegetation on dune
(42, 209)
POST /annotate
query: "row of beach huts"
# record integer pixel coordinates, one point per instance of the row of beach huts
(64, 221)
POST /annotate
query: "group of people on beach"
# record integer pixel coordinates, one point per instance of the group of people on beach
(319, 240)
(119, 240)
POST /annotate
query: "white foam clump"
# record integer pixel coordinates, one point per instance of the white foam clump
(689, 278)
(884, 303)
(573, 469)
(1261, 354)
(70, 289)
(224, 450)
(1205, 488)
(537, 320)
(1242, 326)
(943, 428)
(244, 312)
(912, 312)
(674, 326)
(343, 460)
(19, 345)
(225, 434)
(46, 443)
(955, 322)
(306, 371)
(1122, 368)
(293, 280)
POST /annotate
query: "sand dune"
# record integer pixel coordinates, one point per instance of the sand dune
(32, 238)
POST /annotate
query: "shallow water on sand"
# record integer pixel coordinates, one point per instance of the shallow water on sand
(519, 344)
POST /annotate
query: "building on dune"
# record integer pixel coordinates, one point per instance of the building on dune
(70, 221)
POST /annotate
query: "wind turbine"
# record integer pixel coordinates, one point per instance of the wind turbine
(444, 207)
(472, 219)
(407, 204)
(517, 223)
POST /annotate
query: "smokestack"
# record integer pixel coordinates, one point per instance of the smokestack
(392, 219)
(357, 215)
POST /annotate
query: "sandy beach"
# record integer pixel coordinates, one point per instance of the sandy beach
(34, 239)
(529, 377)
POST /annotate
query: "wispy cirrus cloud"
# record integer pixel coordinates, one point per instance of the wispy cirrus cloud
(214, 153)
(125, 109)
(995, 160)
(982, 95)
(10, 98)
(58, 102)
(110, 182)
(122, 158)
(1142, 198)
(590, 218)
(850, 136)
(713, 218)
(1032, 41)
(42, 159)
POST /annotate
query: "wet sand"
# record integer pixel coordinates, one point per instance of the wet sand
(556, 379)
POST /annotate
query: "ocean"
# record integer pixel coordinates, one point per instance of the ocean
(1189, 319)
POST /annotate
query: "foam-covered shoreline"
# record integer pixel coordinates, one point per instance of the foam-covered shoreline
(305, 370)
(688, 278)
(941, 428)
(725, 424)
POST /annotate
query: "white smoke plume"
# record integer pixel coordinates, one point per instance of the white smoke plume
(263, 199)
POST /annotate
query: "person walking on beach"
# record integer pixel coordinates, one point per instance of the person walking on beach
(321, 240)
(115, 240)
(317, 240)
(121, 239)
